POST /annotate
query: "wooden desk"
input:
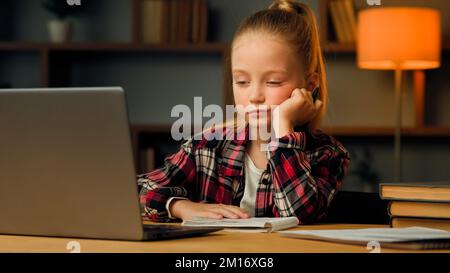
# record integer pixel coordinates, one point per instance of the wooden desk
(220, 242)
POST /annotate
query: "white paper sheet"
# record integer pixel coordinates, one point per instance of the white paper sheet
(386, 235)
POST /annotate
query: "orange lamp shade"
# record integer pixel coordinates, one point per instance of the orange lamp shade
(405, 38)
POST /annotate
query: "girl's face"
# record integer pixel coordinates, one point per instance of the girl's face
(265, 71)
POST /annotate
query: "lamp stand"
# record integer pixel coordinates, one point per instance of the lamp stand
(398, 125)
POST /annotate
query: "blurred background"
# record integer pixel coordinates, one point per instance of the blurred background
(164, 54)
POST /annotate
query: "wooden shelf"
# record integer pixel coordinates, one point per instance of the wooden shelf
(211, 47)
(388, 131)
(128, 47)
(335, 131)
(332, 46)
(45, 49)
(48, 76)
(335, 47)
(20, 46)
(339, 48)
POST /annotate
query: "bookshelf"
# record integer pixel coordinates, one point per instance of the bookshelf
(332, 46)
(210, 47)
(56, 60)
(44, 50)
(327, 33)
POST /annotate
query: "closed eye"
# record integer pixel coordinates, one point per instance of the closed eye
(274, 83)
(242, 82)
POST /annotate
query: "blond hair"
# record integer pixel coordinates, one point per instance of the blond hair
(296, 24)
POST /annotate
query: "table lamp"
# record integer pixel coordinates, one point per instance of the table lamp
(398, 38)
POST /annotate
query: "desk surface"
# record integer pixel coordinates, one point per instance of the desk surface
(220, 242)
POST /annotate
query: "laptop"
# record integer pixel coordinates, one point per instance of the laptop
(66, 167)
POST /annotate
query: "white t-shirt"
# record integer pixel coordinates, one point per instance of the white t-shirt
(252, 177)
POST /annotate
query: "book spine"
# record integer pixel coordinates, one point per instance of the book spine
(173, 21)
(165, 21)
(420, 209)
(180, 20)
(148, 24)
(188, 21)
(350, 7)
(435, 223)
(158, 21)
(204, 21)
(184, 21)
(195, 23)
(343, 18)
(336, 21)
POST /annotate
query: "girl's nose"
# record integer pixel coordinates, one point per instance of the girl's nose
(257, 96)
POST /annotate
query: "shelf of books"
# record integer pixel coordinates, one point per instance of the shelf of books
(339, 19)
(172, 21)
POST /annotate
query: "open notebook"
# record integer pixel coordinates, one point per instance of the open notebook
(245, 225)
(405, 238)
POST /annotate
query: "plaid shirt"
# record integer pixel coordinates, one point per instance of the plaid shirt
(303, 174)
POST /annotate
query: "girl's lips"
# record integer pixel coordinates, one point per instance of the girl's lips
(261, 113)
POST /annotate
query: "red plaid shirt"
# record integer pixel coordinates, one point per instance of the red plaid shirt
(303, 174)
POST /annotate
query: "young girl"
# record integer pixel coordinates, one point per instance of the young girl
(276, 60)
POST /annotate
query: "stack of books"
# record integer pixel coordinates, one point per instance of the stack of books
(174, 21)
(343, 18)
(418, 204)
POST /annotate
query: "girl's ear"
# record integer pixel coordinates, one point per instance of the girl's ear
(313, 81)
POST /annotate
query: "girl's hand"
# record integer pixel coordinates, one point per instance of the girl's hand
(298, 110)
(186, 210)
